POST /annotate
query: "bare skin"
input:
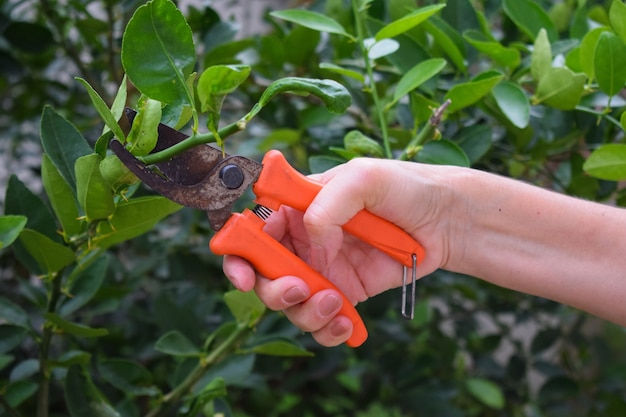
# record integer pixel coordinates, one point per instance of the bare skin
(506, 232)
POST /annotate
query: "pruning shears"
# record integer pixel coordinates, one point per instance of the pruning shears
(206, 179)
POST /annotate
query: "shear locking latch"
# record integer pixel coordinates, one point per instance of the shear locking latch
(406, 300)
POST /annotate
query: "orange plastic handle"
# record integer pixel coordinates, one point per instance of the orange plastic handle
(243, 235)
(279, 183)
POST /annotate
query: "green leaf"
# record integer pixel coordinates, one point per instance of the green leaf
(475, 141)
(610, 63)
(381, 48)
(103, 110)
(334, 95)
(218, 81)
(20, 391)
(622, 120)
(342, 71)
(507, 57)
(82, 396)
(466, 94)
(11, 313)
(49, 255)
(133, 218)
(61, 198)
(84, 285)
(560, 88)
(408, 22)
(312, 20)
(277, 346)
(530, 18)
(158, 53)
(418, 75)
(94, 194)
(176, 344)
(75, 329)
(11, 336)
(245, 306)
(443, 152)
(19, 200)
(541, 58)
(127, 376)
(588, 51)
(486, 392)
(10, 228)
(119, 103)
(617, 17)
(63, 143)
(513, 102)
(116, 174)
(448, 40)
(357, 143)
(608, 162)
(143, 135)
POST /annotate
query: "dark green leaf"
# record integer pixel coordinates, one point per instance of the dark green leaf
(85, 284)
(28, 37)
(93, 192)
(608, 162)
(507, 57)
(5, 360)
(277, 346)
(75, 329)
(61, 198)
(128, 376)
(176, 344)
(82, 396)
(312, 20)
(448, 40)
(513, 102)
(107, 115)
(158, 52)
(63, 143)
(530, 18)
(11, 336)
(133, 218)
(50, 256)
(10, 228)
(610, 63)
(322, 163)
(408, 22)
(245, 306)
(20, 391)
(560, 88)
(25, 369)
(11, 313)
(544, 339)
(475, 141)
(486, 392)
(443, 152)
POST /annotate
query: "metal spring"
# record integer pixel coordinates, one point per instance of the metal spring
(263, 212)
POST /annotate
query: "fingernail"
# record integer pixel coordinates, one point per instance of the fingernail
(329, 305)
(294, 295)
(338, 328)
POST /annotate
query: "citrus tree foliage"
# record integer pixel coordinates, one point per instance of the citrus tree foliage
(111, 303)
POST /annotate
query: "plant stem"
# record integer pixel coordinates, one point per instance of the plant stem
(601, 115)
(360, 30)
(193, 140)
(429, 132)
(194, 376)
(43, 394)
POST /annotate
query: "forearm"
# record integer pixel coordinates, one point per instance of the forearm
(543, 243)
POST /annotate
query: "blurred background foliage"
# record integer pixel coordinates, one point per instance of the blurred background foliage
(472, 350)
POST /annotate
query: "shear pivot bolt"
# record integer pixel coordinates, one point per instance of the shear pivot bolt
(231, 176)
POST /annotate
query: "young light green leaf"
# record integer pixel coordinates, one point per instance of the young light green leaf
(617, 17)
(408, 22)
(608, 162)
(119, 102)
(507, 57)
(513, 102)
(133, 218)
(443, 152)
(11, 313)
(312, 20)
(357, 143)
(75, 329)
(94, 194)
(610, 63)
(158, 52)
(83, 398)
(61, 198)
(560, 88)
(176, 344)
(486, 392)
(218, 81)
(144, 133)
(541, 58)
(382, 48)
(466, 94)
(63, 143)
(588, 51)
(50, 256)
(334, 95)
(245, 306)
(418, 75)
(343, 71)
(530, 18)
(10, 228)
(107, 116)
(116, 174)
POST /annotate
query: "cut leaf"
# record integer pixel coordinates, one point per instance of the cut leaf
(94, 194)
(608, 162)
(513, 102)
(312, 20)
(50, 256)
(158, 53)
(10, 228)
(408, 22)
(610, 63)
